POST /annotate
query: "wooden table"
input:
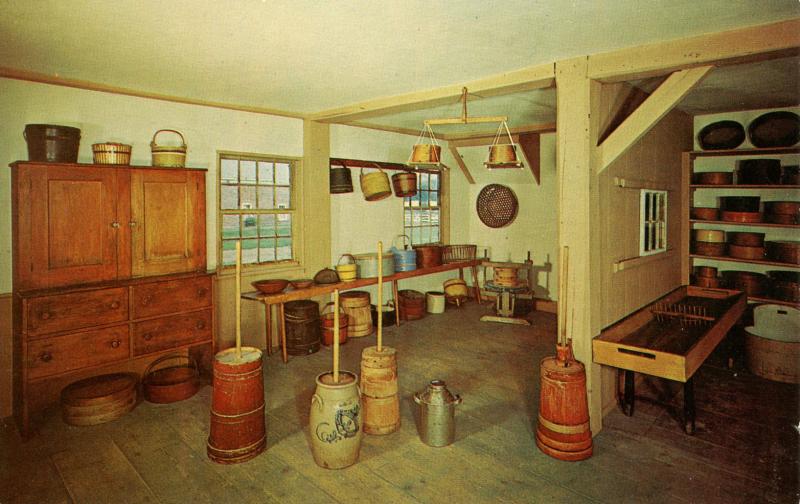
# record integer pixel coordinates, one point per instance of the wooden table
(319, 290)
(670, 338)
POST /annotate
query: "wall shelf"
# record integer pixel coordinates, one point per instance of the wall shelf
(743, 186)
(746, 261)
(745, 152)
(763, 300)
(748, 224)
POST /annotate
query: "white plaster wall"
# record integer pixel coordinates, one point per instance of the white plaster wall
(104, 117)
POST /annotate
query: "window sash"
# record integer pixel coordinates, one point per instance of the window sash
(422, 213)
(652, 222)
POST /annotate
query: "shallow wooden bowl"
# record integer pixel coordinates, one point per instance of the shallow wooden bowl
(270, 286)
(302, 283)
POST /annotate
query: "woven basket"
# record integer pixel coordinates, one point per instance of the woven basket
(111, 153)
(172, 156)
(497, 205)
(459, 253)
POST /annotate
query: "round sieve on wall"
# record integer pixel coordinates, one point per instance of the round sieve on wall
(497, 205)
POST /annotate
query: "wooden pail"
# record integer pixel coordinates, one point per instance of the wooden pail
(356, 305)
(379, 390)
(375, 185)
(411, 304)
(238, 428)
(426, 154)
(428, 256)
(502, 154)
(348, 271)
(302, 327)
(336, 421)
(341, 181)
(563, 427)
(327, 324)
(404, 184)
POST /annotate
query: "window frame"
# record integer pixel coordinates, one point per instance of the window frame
(295, 210)
(442, 207)
(650, 202)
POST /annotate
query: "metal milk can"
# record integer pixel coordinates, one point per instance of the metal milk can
(437, 425)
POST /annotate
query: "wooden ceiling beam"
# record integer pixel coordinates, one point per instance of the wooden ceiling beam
(526, 79)
(754, 43)
(461, 164)
(457, 139)
(660, 102)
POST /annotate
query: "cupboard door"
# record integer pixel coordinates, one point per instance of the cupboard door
(168, 223)
(67, 225)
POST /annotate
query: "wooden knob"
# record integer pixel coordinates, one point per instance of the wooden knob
(146, 300)
(147, 336)
(45, 356)
(45, 315)
(115, 305)
(201, 291)
(200, 324)
(115, 343)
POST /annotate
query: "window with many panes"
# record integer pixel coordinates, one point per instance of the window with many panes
(422, 211)
(652, 222)
(257, 208)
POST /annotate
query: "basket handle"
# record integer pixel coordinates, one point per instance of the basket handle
(325, 309)
(154, 144)
(406, 242)
(346, 255)
(171, 356)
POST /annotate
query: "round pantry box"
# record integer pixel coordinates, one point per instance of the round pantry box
(99, 399)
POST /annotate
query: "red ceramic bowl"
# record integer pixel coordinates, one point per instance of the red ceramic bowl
(271, 286)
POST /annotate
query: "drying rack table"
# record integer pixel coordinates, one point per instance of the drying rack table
(280, 298)
(670, 338)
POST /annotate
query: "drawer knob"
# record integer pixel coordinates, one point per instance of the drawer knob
(201, 291)
(146, 300)
(45, 356)
(147, 336)
(114, 305)
(115, 343)
(45, 315)
(201, 324)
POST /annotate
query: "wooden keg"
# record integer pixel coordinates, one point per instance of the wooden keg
(327, 325)
(705, 213)
(302, 327)
(752, 284)
(379, 390)
(336, 421)
(562, 429)
(238, 428)
(356, 306)
(99, 399)
(713, 178)
(428, 256)
(411, 304)
(786, 251)
(745, 239)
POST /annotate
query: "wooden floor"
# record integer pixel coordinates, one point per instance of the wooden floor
(745, 450)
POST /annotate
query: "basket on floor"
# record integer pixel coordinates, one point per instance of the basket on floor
(459, 253)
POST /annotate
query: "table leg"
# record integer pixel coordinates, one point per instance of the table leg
(268, 323)
(461, 273)
(629, 394)
(282, 321)
(396, 303)
(688, 406)
(475, 281)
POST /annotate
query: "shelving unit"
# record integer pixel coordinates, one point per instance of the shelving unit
(788, 192)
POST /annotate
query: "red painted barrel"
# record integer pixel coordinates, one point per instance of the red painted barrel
(238, 428)
(411, 304)
(563, 427)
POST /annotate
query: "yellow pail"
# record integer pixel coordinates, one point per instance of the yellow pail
(375, 185)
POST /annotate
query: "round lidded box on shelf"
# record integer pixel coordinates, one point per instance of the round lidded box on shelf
(112, 153)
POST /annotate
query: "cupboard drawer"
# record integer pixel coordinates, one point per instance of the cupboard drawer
(168, 332)
(59, 354)
(67, 312)
(172, 296)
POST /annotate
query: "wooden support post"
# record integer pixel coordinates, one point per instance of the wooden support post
(282, 322)
(461, 163)
(268, 326)
(529, 144)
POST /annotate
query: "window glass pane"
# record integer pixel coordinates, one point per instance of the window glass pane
(407, 218)
(284, 249)
(247, 197)
(435, 217)
(434, 184)
(415, 200)
(228, 252)
(434, 198)
(230, 226)
(416, 217)
(266, 225)
(249, 251)
(249, 228)
(247, 172)
(425, 217)
(229, 197)
(425, 235)
(415, 236)
(423, 199)
(435, 234)
(282, 173)
(284, 225)
(266, 174)
(422, 181)
(266, 249)
(265, 197)
(282, 195)
(230, 171)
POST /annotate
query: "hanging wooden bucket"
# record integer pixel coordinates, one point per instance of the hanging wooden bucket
(336, 421)
(327, 325)
(426, 154)
(368, 265)
(501, 154)
(348, 271)
(379, 390)
(505, 277)
(341, 181)
(302, 327)
(411, 304)
(428, 256)
(238, 428)
(99, 399)
(375, 185)
(434, 302)
(563, 428)
(356, 305)
(405, 184)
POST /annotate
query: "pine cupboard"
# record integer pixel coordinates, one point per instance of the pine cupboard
(109, 271)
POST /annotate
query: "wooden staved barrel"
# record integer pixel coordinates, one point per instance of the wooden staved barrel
(563, 427)
(302, 327)
(356, 305)
(327, 325)
(238, 428)
(341, 181)
(411, 304)
(379, 390)
(405, 184)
